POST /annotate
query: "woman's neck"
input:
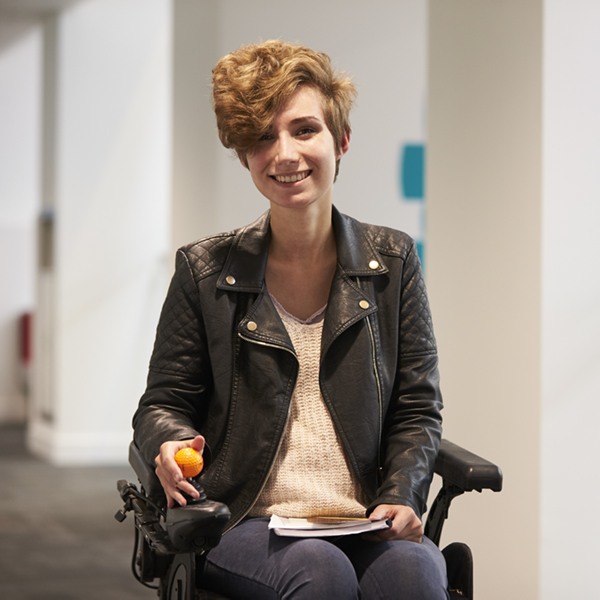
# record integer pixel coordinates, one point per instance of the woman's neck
(302, 259)
(302, 235)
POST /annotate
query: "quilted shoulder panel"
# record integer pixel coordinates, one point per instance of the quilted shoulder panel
(388, 241)
(416, 326)
(179, 337)
(208, 255)
(180, 345)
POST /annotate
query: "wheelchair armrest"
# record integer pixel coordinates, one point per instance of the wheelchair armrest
(461, 471)
(466, 470)
(150, 482)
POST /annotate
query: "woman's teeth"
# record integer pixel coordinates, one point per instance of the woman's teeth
(292, 178)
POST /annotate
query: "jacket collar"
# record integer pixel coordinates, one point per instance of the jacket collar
(244, 269)
(357, 254)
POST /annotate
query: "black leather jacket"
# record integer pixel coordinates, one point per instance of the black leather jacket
(224, 366)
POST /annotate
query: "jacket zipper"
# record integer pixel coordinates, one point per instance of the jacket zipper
(230, 526)
(378, 381)
(376, 371)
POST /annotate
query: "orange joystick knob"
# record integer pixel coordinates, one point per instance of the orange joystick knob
(190, 462)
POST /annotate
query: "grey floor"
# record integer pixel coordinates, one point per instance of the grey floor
(58, 536)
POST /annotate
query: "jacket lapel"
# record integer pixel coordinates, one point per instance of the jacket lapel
(357, 257)
(263, 325)
(244, 269)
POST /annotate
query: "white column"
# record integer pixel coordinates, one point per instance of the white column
(571, 300)
(514, 184)
(484, 270)
(20, 68)
(109, 188)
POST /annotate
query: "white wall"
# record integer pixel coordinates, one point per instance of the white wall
(194, 202)
(571, 301)
(111, 204)
(20, 68)
(382, 45)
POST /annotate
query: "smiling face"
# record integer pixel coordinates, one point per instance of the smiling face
(294, 163)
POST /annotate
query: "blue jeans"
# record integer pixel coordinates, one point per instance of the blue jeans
(253, 562)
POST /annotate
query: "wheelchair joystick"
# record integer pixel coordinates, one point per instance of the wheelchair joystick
(199, 525)
(191, 463)
(189, 499)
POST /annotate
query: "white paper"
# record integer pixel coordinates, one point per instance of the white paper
(293, 527)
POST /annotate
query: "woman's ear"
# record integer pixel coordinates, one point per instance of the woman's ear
(344, 144)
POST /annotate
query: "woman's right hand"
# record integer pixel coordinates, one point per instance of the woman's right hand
(170, 474)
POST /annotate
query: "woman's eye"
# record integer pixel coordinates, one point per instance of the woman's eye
(305, 131)
(265, 137)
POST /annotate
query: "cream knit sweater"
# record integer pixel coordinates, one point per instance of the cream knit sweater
(311, 475)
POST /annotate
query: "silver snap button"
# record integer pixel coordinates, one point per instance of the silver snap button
(251, 326)
(230, 279)
(363, 304)
(373, 265)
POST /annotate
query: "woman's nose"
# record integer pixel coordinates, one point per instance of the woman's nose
(286, 149)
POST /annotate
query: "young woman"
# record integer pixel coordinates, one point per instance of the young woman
(298, 354)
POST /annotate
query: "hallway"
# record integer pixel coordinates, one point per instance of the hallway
(59, 538)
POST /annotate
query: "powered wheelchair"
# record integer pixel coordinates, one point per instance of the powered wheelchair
(167, 541)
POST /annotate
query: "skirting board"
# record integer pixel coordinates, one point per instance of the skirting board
(81, 448)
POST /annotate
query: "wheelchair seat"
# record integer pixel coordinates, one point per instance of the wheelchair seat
(168, 541)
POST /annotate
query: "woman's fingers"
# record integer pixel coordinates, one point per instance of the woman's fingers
(405, 524)
(198, 443)
(169, 473)
(175, 494)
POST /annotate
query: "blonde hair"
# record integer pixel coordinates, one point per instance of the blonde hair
(251, 84)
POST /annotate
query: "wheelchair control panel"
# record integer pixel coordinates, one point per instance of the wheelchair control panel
(168, 540)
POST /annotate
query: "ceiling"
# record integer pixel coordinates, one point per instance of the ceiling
(33, 8)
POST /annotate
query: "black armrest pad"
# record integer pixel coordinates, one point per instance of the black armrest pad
(145, 473)
(466, 470)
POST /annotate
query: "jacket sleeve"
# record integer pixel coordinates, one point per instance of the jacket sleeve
(413, 422)
(180, 375)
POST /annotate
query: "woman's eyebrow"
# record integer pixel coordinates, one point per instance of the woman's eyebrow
(304, 119)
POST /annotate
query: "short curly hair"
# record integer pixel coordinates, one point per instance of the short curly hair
(251, 84)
